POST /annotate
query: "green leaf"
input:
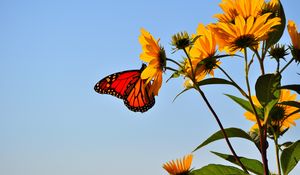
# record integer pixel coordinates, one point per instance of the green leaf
(246, 105)
(231, 132)
(290, 157)
(181, 93)
(267, 92)
(266, 88)
(275, 35)
(294, 87)
(215, 169)
(286, 144)
(252, 165)
(214, 81)
(174, 75)
(291, 103)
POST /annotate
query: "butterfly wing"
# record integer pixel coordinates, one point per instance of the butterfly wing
(116, 84)
(138, 98)
(129, 86)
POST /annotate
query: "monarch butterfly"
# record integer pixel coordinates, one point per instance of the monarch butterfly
(129, 86)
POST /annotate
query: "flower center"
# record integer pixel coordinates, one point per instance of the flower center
(296, 54)
(244, 41)
(277, 113)
(210, 64)
(162, 58)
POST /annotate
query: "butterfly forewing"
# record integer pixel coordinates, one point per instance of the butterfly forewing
(116, 84)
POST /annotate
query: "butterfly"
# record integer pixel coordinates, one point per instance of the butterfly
(129, 86)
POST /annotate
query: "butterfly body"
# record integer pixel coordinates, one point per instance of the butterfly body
(129, 86)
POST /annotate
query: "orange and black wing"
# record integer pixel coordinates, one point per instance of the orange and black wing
(129, 86)
(116, 84)
(138, 98)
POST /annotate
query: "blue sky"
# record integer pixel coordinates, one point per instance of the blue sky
(52, 122)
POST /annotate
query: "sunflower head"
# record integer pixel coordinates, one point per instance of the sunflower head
(233, 8)
(203, 52)
(295, 37)
(208, 65)
(278, 52)
(273, 6)
(192, 70)
(229, 11)
(278, 116)
(180, 166)
(296, 53)
(181, 40)
(247, 40)
(282, 117)
(155, 56)
(244, 32)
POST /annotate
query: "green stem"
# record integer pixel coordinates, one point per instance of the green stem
(286, 65)
(173, 61)
(170, 68)
(222, 128)
(262, 133)
(261, 62)
(277, 154)
(190, 61)
(278, 65)
(214, 114)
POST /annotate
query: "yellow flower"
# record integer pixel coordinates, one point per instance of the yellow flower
(295, 37)
(229, 9)
(205, 45)
(247, 8)
(155, 55)
(244, 33)
(234, 8)
(202, 51)
(282, 116)
(199, 73)
(179, 167)
(272, 6)
(294, 34)
(273, 3)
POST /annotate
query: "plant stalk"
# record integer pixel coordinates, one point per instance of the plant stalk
(277, 155)
(214, 114)
(262, 130)
(222, 129)
(286, 65)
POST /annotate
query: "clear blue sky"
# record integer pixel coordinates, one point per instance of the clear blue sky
(51, 120)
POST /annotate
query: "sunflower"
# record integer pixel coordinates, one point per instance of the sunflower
(295, 37)
(202, 54)
(234, 8)
(282, 116)
(229, 9)
(244, 33)
(187, 69)
(155, 55)
(179, 167)
(247, 8)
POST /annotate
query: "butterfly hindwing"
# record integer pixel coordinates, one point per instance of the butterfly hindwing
(139, 99)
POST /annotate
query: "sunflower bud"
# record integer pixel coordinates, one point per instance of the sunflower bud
(278, 52)
(181, 40)
(296, 53)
